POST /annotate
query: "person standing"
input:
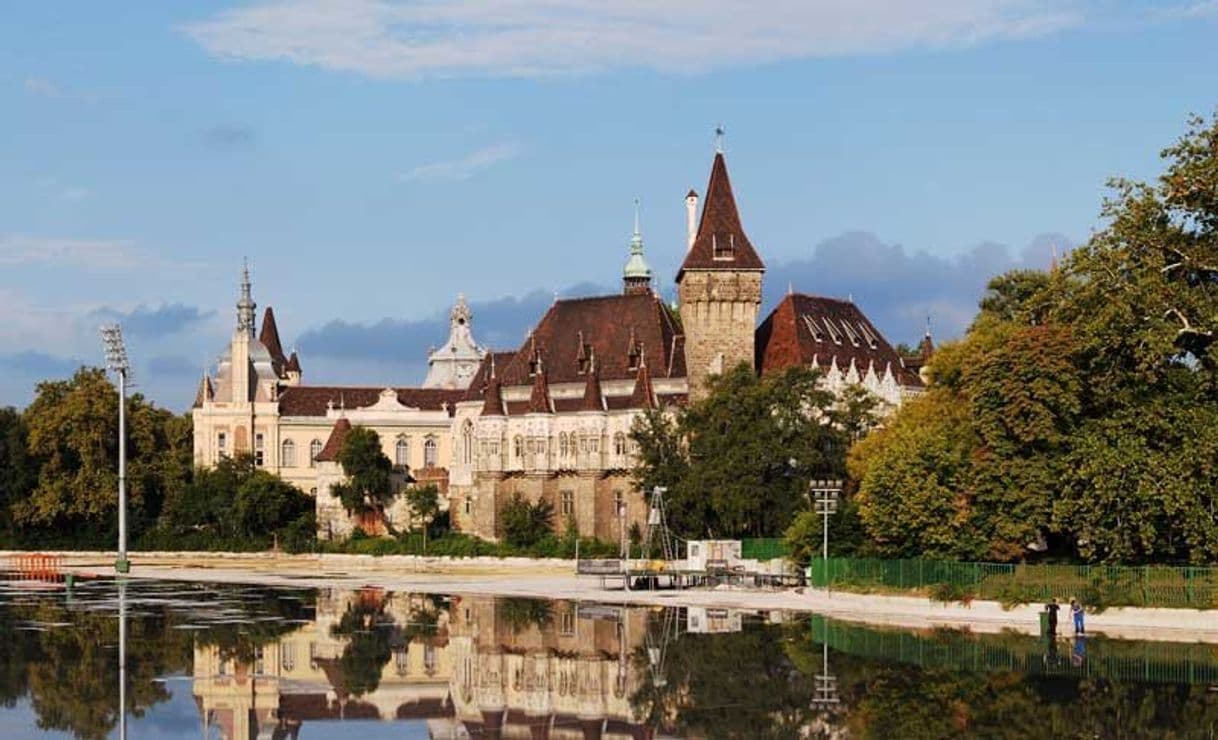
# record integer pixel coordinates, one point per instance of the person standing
(1052, 608)
(1076, 611)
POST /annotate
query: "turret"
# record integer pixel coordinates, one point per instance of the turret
(636, 276)
(718, 287)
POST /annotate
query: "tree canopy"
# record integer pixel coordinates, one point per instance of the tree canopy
(1080, 411)
(368, 486)
(737, 463)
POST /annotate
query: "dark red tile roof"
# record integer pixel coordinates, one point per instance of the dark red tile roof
(642, 397)
(802, 327)
(492, 363)
(293, 363)
(592, 400)
(269, 336)
(313, 400)
(539, 397)
(329, 453)
(720, 227)
(613, 327)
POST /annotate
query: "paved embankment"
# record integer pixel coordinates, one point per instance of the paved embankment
(555, 579)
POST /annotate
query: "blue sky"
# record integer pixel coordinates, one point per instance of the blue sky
(373, 159)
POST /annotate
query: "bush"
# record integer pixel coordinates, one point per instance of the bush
(525, 524)
(949, 592)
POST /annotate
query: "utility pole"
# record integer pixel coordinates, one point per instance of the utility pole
(116, 360)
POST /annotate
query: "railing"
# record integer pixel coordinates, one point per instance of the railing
(1094, 585)
(1120, 660)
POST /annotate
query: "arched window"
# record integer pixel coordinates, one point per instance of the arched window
(564, 445)
(467, 442)
(314, 450)
(619, 444)
(401, 452)
(429, 452)
(518, 446)
(287, 453)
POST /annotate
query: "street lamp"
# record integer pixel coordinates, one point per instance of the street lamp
(116, 360)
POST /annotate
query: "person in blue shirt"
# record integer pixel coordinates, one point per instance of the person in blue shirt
(1076, 611)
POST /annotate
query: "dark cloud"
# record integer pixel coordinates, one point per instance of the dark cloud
(21, 372)
(174, 365)
(225, 137)
(39, 364)
(895, 287)
(500, 323)
(147, 321)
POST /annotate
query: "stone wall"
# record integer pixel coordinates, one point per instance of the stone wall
(719, 317)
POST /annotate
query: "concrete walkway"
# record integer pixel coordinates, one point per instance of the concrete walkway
(555, 579)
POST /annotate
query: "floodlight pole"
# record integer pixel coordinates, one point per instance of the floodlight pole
(122, 565)
(116, 360)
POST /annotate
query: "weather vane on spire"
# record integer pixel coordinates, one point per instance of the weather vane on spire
(636, 216)
(719, 132)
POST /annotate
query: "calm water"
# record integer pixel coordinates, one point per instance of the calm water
(244, 662)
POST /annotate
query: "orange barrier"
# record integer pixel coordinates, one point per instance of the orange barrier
(35, 566)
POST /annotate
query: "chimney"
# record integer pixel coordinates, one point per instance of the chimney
(691, 218)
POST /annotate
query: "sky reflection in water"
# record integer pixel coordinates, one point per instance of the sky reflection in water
(244, 662)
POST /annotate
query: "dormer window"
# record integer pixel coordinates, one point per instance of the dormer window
(534, 365)
(872, 340)
(723, 246)
(583, 362)
(813, 329)
(834, 334)
(851, 333)
(632, 359)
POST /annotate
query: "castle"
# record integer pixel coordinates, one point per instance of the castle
(551, 419)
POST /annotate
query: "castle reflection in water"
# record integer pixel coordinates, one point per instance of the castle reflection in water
(470, 666)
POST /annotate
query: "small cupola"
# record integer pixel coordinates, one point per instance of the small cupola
(636, 276)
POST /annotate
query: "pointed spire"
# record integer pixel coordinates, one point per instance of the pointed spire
(643, 396)
(720, 243)
(539, 398)
(926, 347)
(245, 304)
(636, 275)
(492, 398)
(593, 400)
(206, 392)
(719, 133)
(293, 363)
(269, 337)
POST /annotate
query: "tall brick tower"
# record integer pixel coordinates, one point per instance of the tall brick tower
(718, 287)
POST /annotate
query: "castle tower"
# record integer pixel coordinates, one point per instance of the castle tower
(636, 275)
(453, 365)
(718, 287)
(242, 370)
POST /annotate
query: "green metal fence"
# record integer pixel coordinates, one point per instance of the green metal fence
(764, 548)
(1095, 585)
(1122, 660)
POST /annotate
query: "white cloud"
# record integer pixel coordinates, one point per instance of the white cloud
(104, 254)
(1195, 10)
(501, 38)
(465, 167)
(44, 87)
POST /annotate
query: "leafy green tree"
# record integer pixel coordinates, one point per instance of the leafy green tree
(525, 524)
(368, 470)
(265, 503)
(1079, 409)
(73, 437)
(424, 502)
(370, 634)
(17, 471)
(737, 463)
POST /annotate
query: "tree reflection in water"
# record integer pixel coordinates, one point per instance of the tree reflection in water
(266, 662)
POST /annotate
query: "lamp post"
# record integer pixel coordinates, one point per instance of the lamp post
(116, 360)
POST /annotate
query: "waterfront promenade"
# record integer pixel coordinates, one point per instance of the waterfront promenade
(556, 579)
